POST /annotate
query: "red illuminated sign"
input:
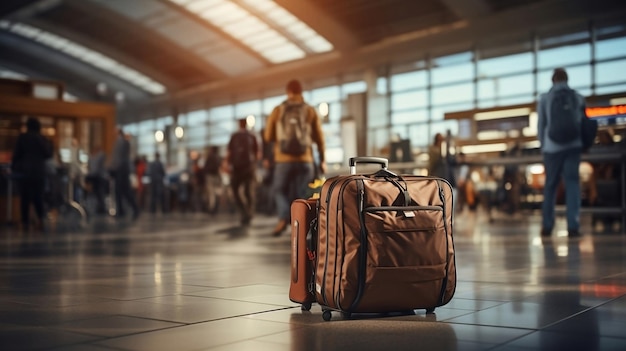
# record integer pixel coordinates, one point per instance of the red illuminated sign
(606, 111)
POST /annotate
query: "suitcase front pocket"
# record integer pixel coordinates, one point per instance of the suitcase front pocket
(405, 236)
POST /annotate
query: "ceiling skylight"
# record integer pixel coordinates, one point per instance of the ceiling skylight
(262, 25)
(84, 54)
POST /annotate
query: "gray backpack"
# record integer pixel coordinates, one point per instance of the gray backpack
(564, 124)
(293, 132)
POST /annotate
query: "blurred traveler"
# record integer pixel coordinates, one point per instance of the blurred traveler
(441, 162)
(198, 185)
(156, 172)
(560, 112)
(141, 164)
(436, 162)
(293, 126)
(120, 170)
(241, 156)
(213, 179)
(265, 201)
(28, 166)
(96, 177)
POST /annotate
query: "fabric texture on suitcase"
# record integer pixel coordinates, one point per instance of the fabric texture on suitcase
(385, 244)
(303, 212)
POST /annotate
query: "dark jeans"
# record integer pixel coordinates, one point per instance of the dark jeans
(290, 183)
(124, 191)
(157, 196)
(566, 164)
(98, 186)
(247, 180)
(31, 192)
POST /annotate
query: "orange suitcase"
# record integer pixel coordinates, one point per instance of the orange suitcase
(303, 212)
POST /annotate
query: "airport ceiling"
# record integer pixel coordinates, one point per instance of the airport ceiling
(162, 53)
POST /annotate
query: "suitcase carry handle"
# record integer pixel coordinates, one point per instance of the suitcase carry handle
(367, 159)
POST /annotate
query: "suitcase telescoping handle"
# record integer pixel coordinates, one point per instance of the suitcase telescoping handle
(367, 159)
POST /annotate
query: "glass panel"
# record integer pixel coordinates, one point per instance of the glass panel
(486, 103)
(411, 99)
(497, 66)
(611, 48)
(378, 141)
(334, 112)
(400, 131)
(453, 59)
(515, 100)
(620, 88)
(457, 73)
(611, 72)
(377, 121)
(221, 112)
(198, 117)
(522, 84)
(404, 81)
(487, 89)
(453, 94)
(326, 94)
(419, 135)
(579, 76)
(246, 108)
(354, 87)
(411, 116)
(271, 102)
(564, 56)
(162, 122)
(381, 85)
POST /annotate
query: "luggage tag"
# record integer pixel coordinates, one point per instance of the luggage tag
(408, 214)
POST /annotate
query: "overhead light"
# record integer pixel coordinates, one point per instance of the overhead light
(179, 132)
(513, 112)
(159, 136)
(250, 121)
(323, 109)
(243, 19)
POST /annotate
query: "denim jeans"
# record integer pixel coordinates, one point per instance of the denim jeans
(290, 183)
(566, 164)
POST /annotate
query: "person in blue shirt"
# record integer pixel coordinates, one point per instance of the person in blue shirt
(561, 159)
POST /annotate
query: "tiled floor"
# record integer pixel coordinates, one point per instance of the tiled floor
(194, 282)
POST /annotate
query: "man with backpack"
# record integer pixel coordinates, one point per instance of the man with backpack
(560, 114)
(293, 127)
(242, 154)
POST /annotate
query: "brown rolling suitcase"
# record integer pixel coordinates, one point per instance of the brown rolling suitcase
(384, 242)
(303, 212)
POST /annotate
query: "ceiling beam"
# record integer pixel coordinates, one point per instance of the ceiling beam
(21, 9)
(468, 9)
(124, 24)
(26, 57)
(325, 25)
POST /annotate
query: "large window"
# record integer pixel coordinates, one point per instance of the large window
(412, 98)
(564, 56)
(405, 81)
(498, 66)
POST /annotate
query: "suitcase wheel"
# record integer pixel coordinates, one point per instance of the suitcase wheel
(327, 315)
(306, 306)
(430, 310)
